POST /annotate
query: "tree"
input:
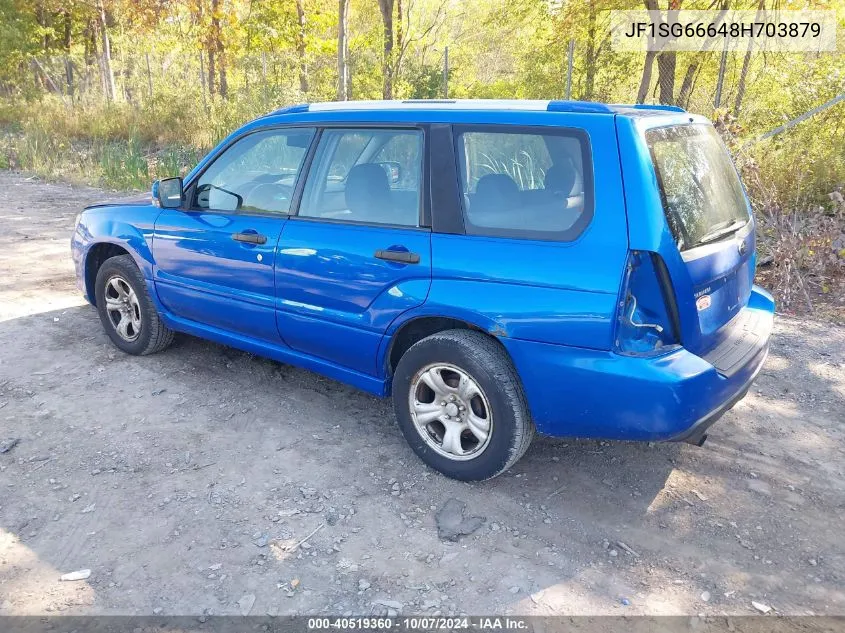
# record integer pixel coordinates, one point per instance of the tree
(209, 32)
(593, 51)
(746, 61)
(386, 7)
(342, 51)
(300, 47)
(67, 38)
(216, 48)
(105, 59)
(410, 32)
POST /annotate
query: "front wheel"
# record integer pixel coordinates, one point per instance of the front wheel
(126, 310)
(460, 405)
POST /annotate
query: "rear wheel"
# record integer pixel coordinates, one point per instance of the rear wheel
(460, 405)
(126, 310)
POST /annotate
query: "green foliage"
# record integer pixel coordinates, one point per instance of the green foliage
(424, 81)
(116, 146)
(123, 165)
(169, 108)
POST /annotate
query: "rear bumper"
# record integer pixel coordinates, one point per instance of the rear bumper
(697, 433)
(599, 394)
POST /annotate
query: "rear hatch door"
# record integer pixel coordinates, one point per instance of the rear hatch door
(710, 221)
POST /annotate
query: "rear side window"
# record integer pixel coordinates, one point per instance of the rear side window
(525, 182)
(701, 192)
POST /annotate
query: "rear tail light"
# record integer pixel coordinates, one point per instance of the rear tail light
(647, 322)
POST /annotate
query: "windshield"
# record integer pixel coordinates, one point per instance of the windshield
(702, 195)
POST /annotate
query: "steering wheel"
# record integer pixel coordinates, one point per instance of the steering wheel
(270, 196)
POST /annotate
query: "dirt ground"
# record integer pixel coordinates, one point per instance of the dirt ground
(187, 480)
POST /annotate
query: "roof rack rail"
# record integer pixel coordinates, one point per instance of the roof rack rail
(654, 106)
(578, 106)
(293, 109)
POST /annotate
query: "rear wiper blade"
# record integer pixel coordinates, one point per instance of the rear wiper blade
(712, 236)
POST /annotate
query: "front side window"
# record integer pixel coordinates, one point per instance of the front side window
(525, 184)
(256, 174)
(701, 191)
(365, 175)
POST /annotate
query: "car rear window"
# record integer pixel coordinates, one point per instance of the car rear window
(702, 195)
(525, 182)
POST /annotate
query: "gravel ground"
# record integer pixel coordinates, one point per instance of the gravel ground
(188, 482)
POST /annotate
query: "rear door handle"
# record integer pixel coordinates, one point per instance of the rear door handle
(398, 256)
(250, 238)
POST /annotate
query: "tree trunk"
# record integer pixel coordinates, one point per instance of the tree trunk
(400, 38)
(386, 7)
(68, 31)
(648, 64)
(248, 44)
(342, 51)
(217, 53)
(746, 62)
(212, 70)
(590, 53)
(687, 83)
(645, 81)
(211, 74)
(202, 83)
(41, 18)
(224, 82)
(108, 74)
(128, 78)
(743, 74)
(300, 48)
(91, 57)
(150, 76)
(211, 54)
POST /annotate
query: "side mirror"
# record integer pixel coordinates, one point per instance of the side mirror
(223, 200)
(393, 169)
(167, 193)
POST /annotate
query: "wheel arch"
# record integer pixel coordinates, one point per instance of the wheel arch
(412, 329)
(97, 254)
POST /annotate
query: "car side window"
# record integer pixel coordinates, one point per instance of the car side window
(365, 175)
(525, 184)
(256, 174)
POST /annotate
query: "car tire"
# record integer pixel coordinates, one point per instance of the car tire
(473, 372)
(126, 310)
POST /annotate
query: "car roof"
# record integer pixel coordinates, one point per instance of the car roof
(475, 105)
(520, 112)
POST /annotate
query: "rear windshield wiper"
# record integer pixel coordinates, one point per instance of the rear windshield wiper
(721, 232)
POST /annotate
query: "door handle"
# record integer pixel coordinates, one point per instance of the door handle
(398, 256)
(250, 238)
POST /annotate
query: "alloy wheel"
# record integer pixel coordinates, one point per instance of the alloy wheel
(450, 411)
(123, 308)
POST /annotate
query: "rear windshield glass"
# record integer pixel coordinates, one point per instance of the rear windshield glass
(701, 192)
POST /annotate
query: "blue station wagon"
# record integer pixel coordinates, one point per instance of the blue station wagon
(496, 267)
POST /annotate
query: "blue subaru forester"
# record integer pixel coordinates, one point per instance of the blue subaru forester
(498, 267)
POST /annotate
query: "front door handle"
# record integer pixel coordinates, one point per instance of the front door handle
(250, 238)
(398, 256)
